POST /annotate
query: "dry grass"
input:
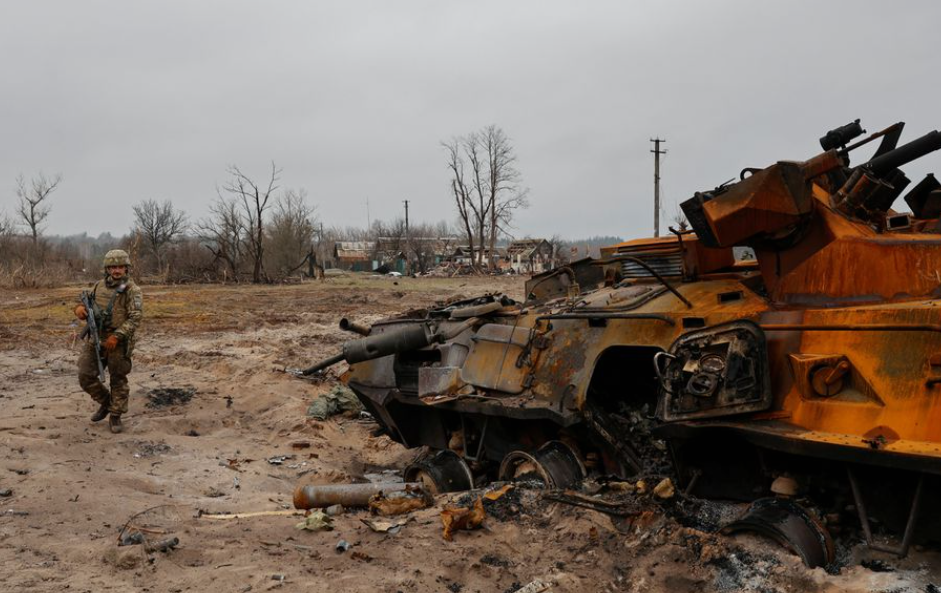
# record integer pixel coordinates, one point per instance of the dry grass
(46, 314)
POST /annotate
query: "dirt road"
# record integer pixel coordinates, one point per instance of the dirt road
(74, 485)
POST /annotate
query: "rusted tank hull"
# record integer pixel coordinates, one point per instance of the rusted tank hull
(817, 359)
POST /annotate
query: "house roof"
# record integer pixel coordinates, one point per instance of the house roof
(355, 250)
(524, 247)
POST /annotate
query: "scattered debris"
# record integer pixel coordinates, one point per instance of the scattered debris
(313, 496)
(169, 396)
(334, 510)
(502, 504)
(6, 493)
(316, 521)
(617, 509)
(785, 486)
(280, 459)
(235, 463)
(626, 487)
(300, 445)
(664, 490)
(15, 513)
(229, 516)
(164, 545)
(131, 538)
(789, 524)
(535, 586)
(343, 546)
(495, 495)
(338, 400)
(494, 560)
(382, 526)
(455, 518)
(150, 449)
(876, 565)
(398, 503)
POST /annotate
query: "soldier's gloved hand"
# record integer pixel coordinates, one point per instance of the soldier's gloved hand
(81, 312)
(111, 343)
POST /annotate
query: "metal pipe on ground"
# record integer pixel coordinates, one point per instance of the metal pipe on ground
(317, 496)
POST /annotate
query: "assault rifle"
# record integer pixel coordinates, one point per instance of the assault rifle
(91, 329)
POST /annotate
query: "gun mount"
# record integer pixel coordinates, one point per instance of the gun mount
(806, 220)
(818, 361)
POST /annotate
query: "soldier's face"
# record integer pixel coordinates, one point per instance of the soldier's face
(117, 271)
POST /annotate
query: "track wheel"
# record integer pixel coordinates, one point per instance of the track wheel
(444, 471)
(555, 464)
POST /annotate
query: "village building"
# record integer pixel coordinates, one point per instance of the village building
(393, 254)
(355, 256)
(530, 256)
(463, 256)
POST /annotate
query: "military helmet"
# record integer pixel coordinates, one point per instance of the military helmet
(117, 257)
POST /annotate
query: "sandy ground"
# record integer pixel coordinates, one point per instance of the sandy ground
(74, 485)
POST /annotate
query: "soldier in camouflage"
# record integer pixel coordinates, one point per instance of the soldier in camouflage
(119, 307)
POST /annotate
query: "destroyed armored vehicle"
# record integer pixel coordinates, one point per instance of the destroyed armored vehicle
(812, 369)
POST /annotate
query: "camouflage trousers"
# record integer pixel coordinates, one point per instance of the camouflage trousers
(118, 365)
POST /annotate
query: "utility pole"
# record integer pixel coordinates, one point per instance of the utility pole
(368, 222)
(408, 246)
(656, 184)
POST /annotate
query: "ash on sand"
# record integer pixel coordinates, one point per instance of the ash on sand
(163, 397)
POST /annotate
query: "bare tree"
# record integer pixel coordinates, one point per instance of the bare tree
(253, 199)
(291, 231)
(679, 219)
(159, 225)
(486, 186)
(224, 234)
(504, 194)
(461, 191)
(561, 251)
(426, 244)
(6, 225)
(32, 210)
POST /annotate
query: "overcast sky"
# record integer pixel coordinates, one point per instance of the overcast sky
(134, 100)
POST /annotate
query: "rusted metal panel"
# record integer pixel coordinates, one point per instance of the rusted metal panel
(497, 358)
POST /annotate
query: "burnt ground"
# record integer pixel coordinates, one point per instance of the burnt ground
(210, 405)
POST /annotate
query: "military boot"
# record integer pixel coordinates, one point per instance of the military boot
(115, 423)
(101, 414)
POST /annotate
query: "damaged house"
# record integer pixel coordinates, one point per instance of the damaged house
(530, 256)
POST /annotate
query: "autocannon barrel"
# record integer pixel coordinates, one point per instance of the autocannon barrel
(906, 153)
(393, 341)
(352, 326)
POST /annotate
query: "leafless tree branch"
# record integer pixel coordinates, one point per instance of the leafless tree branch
(32, 209)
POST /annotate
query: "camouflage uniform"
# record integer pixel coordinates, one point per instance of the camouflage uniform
(126, 313)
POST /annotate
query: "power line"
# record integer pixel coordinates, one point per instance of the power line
(656, 184)
(408, 246)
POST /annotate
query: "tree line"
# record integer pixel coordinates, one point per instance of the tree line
(258, 230)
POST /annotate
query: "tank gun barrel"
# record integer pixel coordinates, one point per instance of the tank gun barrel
(323, 364)
(393, 341)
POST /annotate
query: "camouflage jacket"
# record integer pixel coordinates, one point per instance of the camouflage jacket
(127, 310)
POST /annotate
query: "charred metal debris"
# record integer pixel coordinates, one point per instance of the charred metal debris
(804, 381)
